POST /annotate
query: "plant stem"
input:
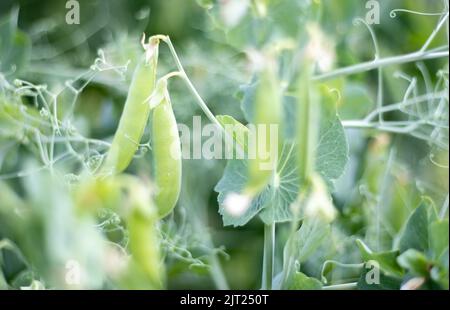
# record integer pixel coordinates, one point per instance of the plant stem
(194, 92)
(343, 286)
(268, 256)
(191, 87)
(217, 274)
(382, 62)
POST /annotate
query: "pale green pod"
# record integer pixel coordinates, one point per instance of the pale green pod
(144, 245)
(267, 112)
(308, 120)
(135, 114)
(167, 157)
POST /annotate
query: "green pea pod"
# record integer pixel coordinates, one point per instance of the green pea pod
(144, 245)
(264, 145)
(146, 264)
(308, 116)
(135, 113)
(167, 157)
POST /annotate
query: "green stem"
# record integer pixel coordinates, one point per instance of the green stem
(194, 92)
(217, 274)
(343, 286)
(191, 87)
(268, 256)
(382, 62)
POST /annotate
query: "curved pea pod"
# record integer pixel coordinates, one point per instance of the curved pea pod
(167, 157)
(264, 139)
(135, 113)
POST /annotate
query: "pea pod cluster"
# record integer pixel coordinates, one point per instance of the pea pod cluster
(145, 96)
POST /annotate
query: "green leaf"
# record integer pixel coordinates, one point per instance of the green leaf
(332, 149)
(301, 245)
(385, 282)
(11, 260)
(439, 272)
(438, 237)
(355, 98)
(284, 190)
(415, 235)
(300, 281)
(414, 261)
(309, 237)
(233, 181)
(386, 260)
(275, 200)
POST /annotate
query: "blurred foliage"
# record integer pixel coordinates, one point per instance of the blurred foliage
(392, 197)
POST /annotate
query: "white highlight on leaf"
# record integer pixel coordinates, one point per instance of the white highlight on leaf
(320, 48)
(237, 204)
(232, 11)
(319, 203)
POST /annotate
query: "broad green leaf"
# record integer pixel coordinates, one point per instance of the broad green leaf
(332, 148)
(439, 272)
(285, 188)
(415, 235)
(386, 260)
(275, 200)
(301, 245)
(438, 237)
(355, 98)
(233, 181)
(300, 281)
(281, 18)
(11, 260)
(414, 261)
(23, 279)
(385, 282)
(309, 237)
(289, 113)
(330, 265)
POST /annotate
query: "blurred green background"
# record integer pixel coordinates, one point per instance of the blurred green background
(386, 171)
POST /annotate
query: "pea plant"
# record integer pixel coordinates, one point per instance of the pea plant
(335, 170)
